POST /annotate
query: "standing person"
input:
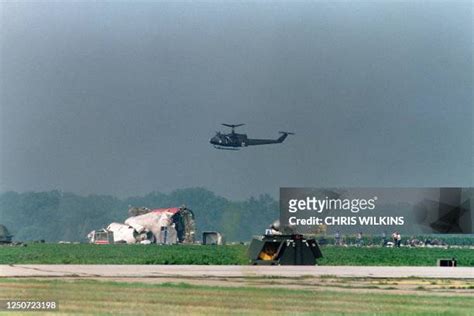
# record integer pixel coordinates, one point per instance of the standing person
(337, 239)
(359, 239)
(384, 239)
(399, 239)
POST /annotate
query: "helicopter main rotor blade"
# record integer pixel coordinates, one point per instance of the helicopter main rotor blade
(232, 125)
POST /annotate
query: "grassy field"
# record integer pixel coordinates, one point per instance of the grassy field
(122, 254)
(394, 256)
(113, 298)
(231, 254)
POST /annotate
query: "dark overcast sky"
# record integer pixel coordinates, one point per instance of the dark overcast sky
(122, 97)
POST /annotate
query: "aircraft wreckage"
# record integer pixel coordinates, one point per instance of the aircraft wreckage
(147, 226)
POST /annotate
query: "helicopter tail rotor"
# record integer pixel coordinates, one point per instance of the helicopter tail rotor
(284, 136)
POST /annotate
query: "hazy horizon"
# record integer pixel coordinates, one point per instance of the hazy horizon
(121, 98)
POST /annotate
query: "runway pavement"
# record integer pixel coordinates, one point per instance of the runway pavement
(202, 271)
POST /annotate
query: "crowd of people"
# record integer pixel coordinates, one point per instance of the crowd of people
(396, 239)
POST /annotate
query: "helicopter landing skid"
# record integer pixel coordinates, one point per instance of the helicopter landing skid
(226, 148)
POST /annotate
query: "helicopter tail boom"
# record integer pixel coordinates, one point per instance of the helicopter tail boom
(251, 142)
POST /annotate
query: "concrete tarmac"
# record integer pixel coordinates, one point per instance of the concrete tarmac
(202, 271)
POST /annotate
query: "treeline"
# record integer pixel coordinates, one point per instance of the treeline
(54, 215)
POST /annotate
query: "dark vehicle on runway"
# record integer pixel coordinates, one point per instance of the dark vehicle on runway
(233, 140)
(282, 246)
(292, 249)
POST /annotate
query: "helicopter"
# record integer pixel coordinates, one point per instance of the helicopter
(233, 140)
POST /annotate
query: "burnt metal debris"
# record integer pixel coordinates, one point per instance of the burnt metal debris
(5, 236)
(281, 246)
(147, 226)
(212, 238)
(284, 250)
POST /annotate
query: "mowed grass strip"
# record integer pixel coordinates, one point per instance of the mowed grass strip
(123, 254)
(97, 297)
(219, 255)
(378, 256)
